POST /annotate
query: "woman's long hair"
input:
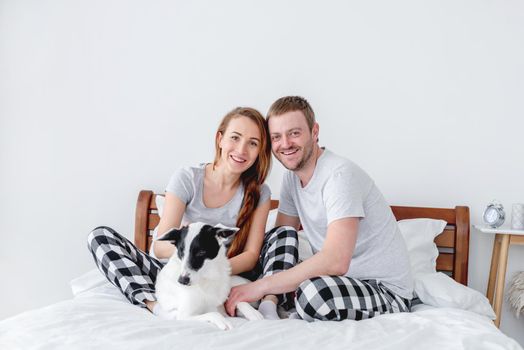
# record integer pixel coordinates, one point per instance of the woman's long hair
(252, 179)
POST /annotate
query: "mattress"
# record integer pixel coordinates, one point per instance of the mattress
(99, 317)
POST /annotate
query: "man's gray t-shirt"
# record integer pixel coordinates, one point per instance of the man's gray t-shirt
(341, 189)
(188, 185)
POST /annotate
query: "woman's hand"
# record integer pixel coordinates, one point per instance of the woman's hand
(247, 292)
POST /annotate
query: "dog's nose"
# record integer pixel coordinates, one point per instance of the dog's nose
(184, 279)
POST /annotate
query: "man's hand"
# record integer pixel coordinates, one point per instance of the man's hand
(247, 292)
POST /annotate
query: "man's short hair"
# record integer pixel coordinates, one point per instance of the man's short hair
(291, 104)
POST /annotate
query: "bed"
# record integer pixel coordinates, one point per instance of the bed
(452, 316)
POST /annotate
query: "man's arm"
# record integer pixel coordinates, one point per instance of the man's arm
(333, 259)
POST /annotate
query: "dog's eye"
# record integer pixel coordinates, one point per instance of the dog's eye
(201, 253)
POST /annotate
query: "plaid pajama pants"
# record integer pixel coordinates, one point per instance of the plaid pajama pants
(337, 298)
(134, 272)
(279, 252)
(127, 267)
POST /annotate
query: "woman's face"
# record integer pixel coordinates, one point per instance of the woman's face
(240, 144)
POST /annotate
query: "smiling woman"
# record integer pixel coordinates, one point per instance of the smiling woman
(238, 145)
(228, 191)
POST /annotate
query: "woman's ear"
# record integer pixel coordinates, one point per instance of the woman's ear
(218, 139)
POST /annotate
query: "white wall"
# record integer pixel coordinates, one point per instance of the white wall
(99, 99)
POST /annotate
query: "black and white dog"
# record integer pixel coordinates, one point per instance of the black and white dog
(197, 279)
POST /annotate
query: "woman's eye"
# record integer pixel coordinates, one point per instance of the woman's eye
(234, 137)
(254, 144)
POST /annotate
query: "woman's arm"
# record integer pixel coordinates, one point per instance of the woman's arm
(174, 210)
(247, 260)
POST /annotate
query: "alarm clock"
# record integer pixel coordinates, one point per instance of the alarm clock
(494, 214)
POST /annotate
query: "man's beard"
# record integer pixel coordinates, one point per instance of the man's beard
(308, 153)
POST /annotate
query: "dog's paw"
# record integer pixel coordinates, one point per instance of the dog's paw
(223, 324)
(165, 314)
(250, 313)
(216, 319)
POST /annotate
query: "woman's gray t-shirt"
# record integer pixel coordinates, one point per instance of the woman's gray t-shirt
(188, 185)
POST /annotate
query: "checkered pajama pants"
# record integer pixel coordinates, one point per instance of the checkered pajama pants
(134, 272)
(336, 298)
(127, 267)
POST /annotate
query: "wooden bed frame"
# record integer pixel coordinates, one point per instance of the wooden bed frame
(453, 243)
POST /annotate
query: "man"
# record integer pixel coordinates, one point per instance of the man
(360, 267)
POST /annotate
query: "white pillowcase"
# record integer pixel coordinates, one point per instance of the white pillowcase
(87, 281)
(436, 288)
(159, 201)
(271, 218)
(304, 248)
(419, 235)
(440, 290)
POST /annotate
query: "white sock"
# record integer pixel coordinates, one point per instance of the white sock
(268, 309)
(294, 316)
(157, 309)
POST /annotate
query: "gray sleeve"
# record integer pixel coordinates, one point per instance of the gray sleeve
(265, 194)
(286, 205)
(343, 195)
(181, 185)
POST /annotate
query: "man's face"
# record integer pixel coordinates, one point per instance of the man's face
(291, 140)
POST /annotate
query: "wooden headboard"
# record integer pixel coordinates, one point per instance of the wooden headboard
(453, 243)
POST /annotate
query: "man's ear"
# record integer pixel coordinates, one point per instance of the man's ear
(224, 232)
(315, 131)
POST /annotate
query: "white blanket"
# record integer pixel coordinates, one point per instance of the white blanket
(99, 317)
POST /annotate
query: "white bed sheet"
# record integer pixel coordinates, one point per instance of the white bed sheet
(99, 317)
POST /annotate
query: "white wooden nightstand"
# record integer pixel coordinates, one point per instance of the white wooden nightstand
(504, 237)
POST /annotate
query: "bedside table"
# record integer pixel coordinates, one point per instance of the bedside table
(504, 237)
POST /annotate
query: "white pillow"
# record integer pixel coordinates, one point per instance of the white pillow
(440, 290)
(304, 248)
(419, 235)
(271, 218)
(159, 201)
(87, 281)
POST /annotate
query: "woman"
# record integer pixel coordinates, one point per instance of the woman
(230, 191)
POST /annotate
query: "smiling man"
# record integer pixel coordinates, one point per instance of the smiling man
(360, 267)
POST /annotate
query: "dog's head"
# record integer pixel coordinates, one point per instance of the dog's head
(197, 245)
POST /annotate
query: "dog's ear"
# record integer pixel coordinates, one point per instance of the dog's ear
(173, 235)
(224, 232)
